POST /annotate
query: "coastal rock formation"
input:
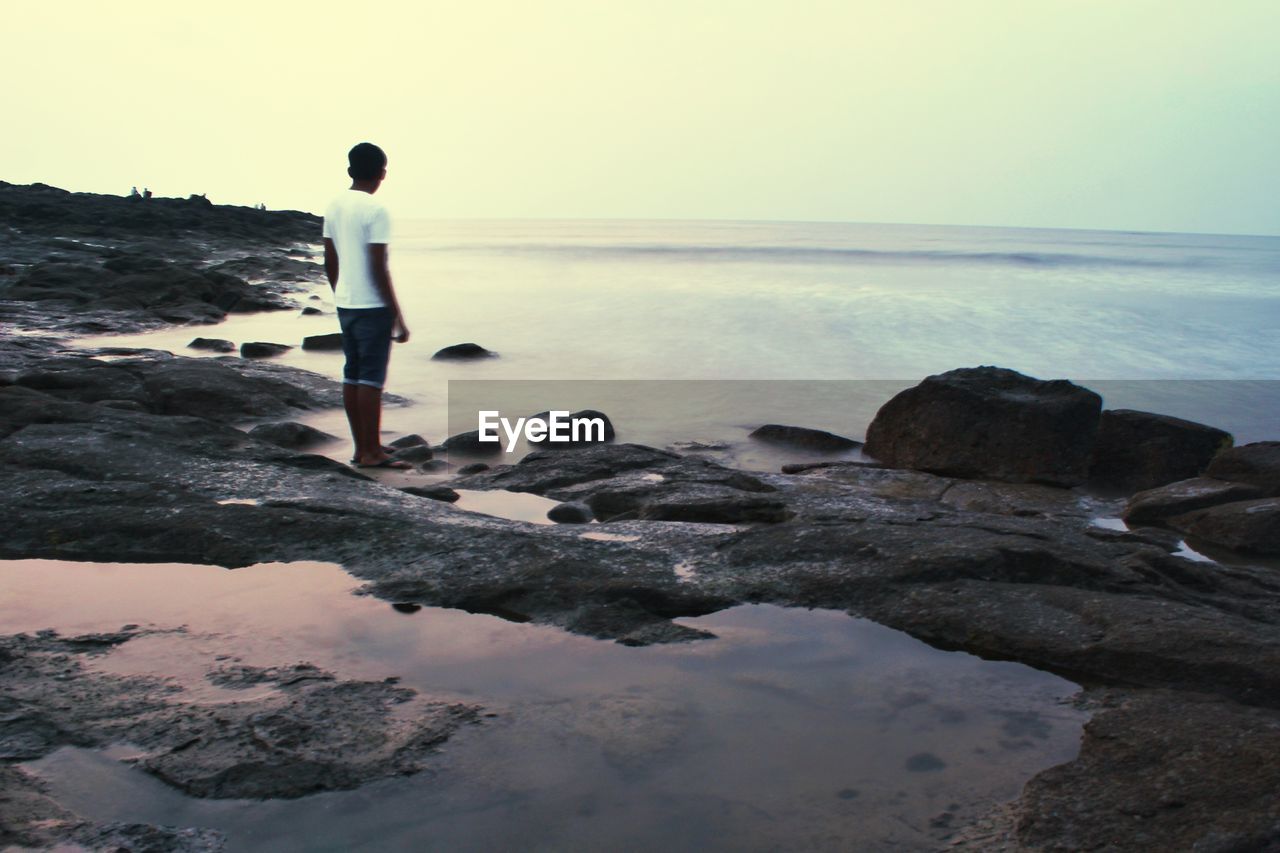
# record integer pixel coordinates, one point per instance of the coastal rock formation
(989, 423)
(1251, 527)
(1257, 464)
(1158, 505)
(1135, 451)
(803, 438)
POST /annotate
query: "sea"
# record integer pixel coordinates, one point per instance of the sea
(700, 331)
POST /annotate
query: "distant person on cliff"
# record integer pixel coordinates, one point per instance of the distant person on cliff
(356, 232)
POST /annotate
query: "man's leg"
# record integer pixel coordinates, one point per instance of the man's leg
(369, 427)
(351, 403)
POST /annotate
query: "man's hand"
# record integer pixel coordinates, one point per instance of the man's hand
(400, 332)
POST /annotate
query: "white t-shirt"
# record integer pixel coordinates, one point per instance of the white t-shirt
(353, 221)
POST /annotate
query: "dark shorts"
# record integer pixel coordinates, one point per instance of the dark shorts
(366, 341)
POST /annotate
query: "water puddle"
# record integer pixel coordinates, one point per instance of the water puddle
(610, 537)
(516, 506)
(792, 728)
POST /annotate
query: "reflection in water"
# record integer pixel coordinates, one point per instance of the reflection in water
(792, 728)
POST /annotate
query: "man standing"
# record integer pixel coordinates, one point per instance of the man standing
(356, 232)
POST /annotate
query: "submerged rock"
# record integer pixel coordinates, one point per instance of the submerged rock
(989, 423)
(1135, 451)
(262, 349)
(463, 352)
(816, 440)
(212, 344)
(323, 343)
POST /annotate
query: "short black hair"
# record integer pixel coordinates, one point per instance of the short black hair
(367, 162)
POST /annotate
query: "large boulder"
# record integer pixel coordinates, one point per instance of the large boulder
(1155, 506)
(1135, 451)
(989, 423)
(1252, 527)
(803, 438)
(1257, 464)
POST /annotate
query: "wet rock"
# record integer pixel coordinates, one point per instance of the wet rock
(473, 468)
(404, 441)
(413, 453)
(292, 435)
(212, 344)
(435, 493)
(310, 311)
(1257, 464)
(1252, 527)
(463, 352)
(989, 423)
(801, 467)
(469, 444)
(262, 349)
(1135, 451)
(243, 676)
(210, 388)
(599, 431)
(571, 512)
(544, 470)
(1158, 505)
(434, 466)
(323, 343)
(1162, 771)
(802, 438)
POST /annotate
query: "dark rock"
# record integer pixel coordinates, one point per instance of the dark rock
(212, 344)
(1135, 451)
(589, 434)
(1156, 506)
(469, 444)
(292, 435)
(412, 440)
(1252, 527)
(1257, 464)
(571, 512)
(463, 352)
(1162, 771)
(801, 467)
(473, 468)
(413, 453)
(802, 438)
(434, 466)
(545, 470)
(310, 311)
(261, 349)
(435, 493)
(323, 343)
(989, 423)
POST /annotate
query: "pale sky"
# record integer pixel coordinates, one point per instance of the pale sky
(1125, 114)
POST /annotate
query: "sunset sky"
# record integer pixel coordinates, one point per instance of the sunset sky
(1121, 114)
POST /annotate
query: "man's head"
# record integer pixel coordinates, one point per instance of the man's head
(368, 164)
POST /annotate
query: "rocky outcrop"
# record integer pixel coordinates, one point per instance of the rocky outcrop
(1135, 451)
(1257, 464)
(1251, 527)
(1158, 505)
(989, 423)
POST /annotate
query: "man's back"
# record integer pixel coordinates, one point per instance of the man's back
(353, 220)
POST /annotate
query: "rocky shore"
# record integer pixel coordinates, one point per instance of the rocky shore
(977, 528)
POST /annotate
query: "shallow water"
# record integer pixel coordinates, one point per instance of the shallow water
(801, 302)
(792, 728)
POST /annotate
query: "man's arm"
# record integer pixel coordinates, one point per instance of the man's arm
(331, 263)
(382, 280)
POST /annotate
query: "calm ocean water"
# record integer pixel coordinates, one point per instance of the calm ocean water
(623, 300)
